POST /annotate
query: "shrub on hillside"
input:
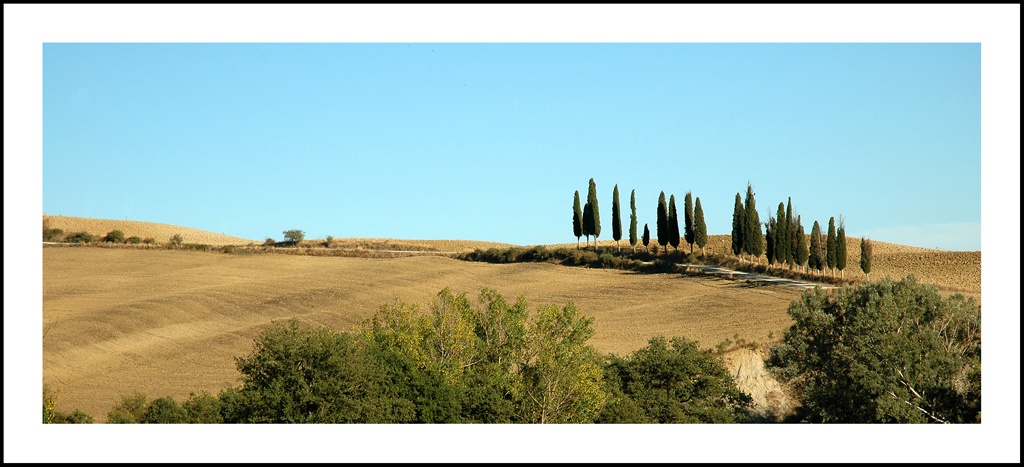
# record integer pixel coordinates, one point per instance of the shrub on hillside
(677, 383)
(79, 237)
(176, 240)
(131, 409)
(114, 236)
(269, 242)
(294, 235)
(134, 240)
(327, 241)
(883, 352)
(164, 410)
(52, 235)
(76, 417)
(149, 240)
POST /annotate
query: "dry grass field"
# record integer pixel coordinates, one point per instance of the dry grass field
(169, 322)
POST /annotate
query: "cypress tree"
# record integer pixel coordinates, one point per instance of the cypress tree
(865, 257)
(688, 220)
(738, 225)
(595, 212)
(700, 227)
(588, 222)
(632, 220)
(781, 237)
(662, 220)
(791, 239)
(801, 244)
(816, 259)
(647, 238)
(577, 219)
(769, 234)
(673, 223)
(841, 248)
(830, 246)
(616, 217)
(752, 237)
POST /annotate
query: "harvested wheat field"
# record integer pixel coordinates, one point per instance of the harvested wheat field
(161, 233)
(169, 322)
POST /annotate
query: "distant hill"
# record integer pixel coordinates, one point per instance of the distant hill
(159, 232)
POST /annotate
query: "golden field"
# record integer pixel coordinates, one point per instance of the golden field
(159, 232)
(170, 322)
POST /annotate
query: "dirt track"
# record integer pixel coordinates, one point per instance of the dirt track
(171, 322)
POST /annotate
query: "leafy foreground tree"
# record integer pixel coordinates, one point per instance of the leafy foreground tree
(883, 352)
(677, 383)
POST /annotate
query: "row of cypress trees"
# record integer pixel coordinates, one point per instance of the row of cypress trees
(587, 221)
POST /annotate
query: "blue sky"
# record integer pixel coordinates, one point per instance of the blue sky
(486, 141)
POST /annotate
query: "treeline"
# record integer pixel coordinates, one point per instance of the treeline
(494, 362)
(783, 241)
(586, 222)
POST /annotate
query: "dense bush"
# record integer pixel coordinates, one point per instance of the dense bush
(79, 237)
(672, 384)
(164, 410)
(52, 235)
(294, 235)
(883, 352)
(149, 240)
(176, 240)
(131, 409)
(76, 417)
(134, 240)
(114, 236)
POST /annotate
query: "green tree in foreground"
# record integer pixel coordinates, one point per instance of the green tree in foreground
(866, 250)
(632, 220)
(883, 352)
(647, 238)
(595, 213)
(577, 218)
(616, 217)
(673, 223)
(663, 228)
(700, 228)
(739, 224)
(689, 228)
(672, 382)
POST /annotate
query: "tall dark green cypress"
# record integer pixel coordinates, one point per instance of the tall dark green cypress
(830, 246)
(790, 234)
(616, 217)
(577, 219)
(700, 227)
(673, 223)
(632, 220)
(647, 238)
(752, 237)
(688, 220)
(769, 239)
(595, 212)
(588, 222)
(801, 244)
(738, 226)
(841, 248)
(816, 260)
(662, 220)
(866, 251)
(781, 237)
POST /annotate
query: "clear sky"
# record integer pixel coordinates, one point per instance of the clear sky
(485, 141)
